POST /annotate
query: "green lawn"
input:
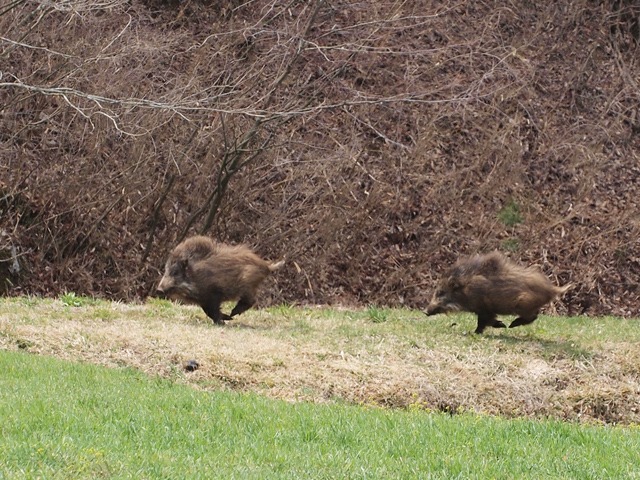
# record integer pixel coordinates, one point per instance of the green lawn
(65, 420)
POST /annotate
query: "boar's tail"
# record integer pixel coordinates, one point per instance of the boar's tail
(562, 290)
(275, 266)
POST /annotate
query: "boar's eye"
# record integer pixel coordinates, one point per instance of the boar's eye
(454, 284)
(179, 268)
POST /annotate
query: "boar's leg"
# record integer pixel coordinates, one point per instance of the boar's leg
(524, 320)
(484, 320)
(488, 320)
(212, 308)
(244, 304)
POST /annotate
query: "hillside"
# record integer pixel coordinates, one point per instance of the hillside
(370, 144)
(571, 369)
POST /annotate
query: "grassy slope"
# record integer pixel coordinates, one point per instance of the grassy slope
(583, 369)
(66, 420)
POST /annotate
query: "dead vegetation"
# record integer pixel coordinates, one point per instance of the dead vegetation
(373, 145)
(583, 370)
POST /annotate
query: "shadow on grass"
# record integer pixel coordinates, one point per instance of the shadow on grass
(240, 325)
(228, 324)
(551, 348)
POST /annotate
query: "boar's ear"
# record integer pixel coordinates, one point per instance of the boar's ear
(184, 263)
(178, 266)
(454, 283)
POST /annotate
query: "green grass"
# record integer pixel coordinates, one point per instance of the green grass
(63, 420)
(510, 214)
(377, 315)
(510, 244)
(564, 336)
(70, 299)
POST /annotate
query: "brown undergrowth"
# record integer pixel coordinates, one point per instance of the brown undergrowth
(578, 369)
(371, 145)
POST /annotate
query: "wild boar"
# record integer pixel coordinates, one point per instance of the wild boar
(204, 272)
(490, 285)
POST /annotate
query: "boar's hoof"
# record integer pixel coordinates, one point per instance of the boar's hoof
(521, 321)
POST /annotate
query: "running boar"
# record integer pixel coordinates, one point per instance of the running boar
(490, 285)
(203, 272)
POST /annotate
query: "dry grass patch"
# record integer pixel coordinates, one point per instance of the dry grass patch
(577, 368)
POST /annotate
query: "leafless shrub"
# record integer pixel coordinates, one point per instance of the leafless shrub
(377, 143)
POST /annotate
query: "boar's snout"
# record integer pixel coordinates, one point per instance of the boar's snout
(434, 310)
(164, 287)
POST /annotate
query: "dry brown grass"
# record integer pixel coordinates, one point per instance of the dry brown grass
(577, 369)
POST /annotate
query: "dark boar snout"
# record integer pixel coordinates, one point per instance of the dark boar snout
(434, 310)
(164, 287)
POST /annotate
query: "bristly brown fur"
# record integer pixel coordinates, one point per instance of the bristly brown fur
(490, 285)
(206, 273)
